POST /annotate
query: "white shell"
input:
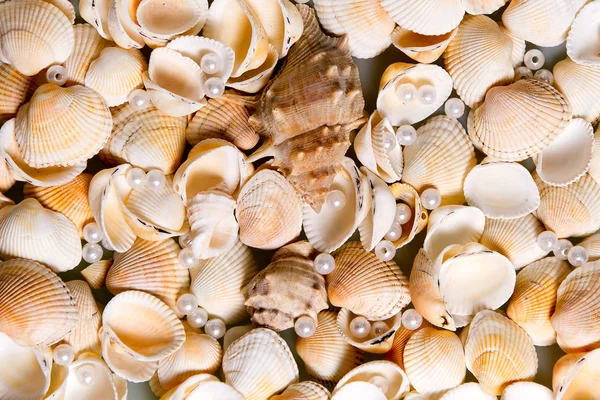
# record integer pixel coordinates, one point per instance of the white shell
(254, 80)
(377, 222)
(583, 44)
(421, 48)
(575, 376)
(468, 391)
(579, 84)
(395, 377)
(359, 390)
(196, 47)
(527, 390)
(124, 364)
(428, 17)
(482, 6)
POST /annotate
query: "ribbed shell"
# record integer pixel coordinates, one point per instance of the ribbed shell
(579, 84)
(36, 308)
(304, 391)
(95, 274)
(575, 376)
(365, 285)
(123, 363)
(396, 353)
(13, 91)
(421, 48)
(470, 391)
(406, 194)
(84, 338)
(392, 374)
(377, 222)
(428, 17)
(6, 178)
(592, 245)
(88, 45)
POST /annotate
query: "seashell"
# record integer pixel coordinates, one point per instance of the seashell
(34, 27)
(365, 285)
(396, 353)
(119, 23)
(428, 17)
(34, 365)
(151, 267)
(146, 139)
(254, 80)
(578, 85)
(534, 299)
(519, 47)
(441, 157)
(268, 211)
(205, 386)
(359, 390)
(233, 334)
(391, 106)
(36, 308)
(259, 364)
(377, 221)
(288, 288)
(13, 91)
(434, 361)
(88, 45)
(527, 390)
(84, 338)
(304, 391)
(6, 178)
(217, 283)
(326, 355)
(370, 150)
(30, 231)
(395, 378)
(196, 47)
(592, 245)
(421, 48)
(480, 48)
(66, 7)
(576, 318)
(409, 196)
(377, 344)
(516, 239)
(502, 190)
(482, 6)
(330, 228)
(54, 110)
(95, 274)
(69, 199)
(575, 376)
(513, 133)
(96, 14)
(468, 391)
(115, 73)
(166, 20)
(543, 23)
(498, 352)
(366, 23)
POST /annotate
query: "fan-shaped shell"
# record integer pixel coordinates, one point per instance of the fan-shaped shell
(575, 376)
(203, 385)
(527, 390)
(406, 194)
(421, 48)
(359, 390)
(6, 178)
(84, 338)
(429, 17)
(167, 19)
(13, 91)
(396, 353)
(467, 391)
(519, 46)
(95, 274)
(377, 222)
(304, 391)
(592, 245)
(579, 83)
(482, 6)
(88, 45)
(582, 44)
(395, 378)
(373, 343)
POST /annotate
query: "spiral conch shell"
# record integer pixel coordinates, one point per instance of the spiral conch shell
(575, 376)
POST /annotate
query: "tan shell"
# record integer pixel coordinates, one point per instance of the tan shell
(395, 378)
(205, 385)
(288, 288)
(406, 194)
(87, 47)
(396, 353)
(36, 307)
(428, 17)
(6, 178)
(422, 48)
(254, 80)
(519, 46)
(377, 222)
(326, 355)
(84, 338)
(498, 352)
(304, 391)
(95, 274)
(13, 91)
(471, 391)
(377, 344)
(482, 6)
(575, 376)
(365, 285)
(592, 246)
(578, 83)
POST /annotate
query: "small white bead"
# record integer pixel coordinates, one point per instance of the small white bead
(57, 74)
(324, 263)
(534, 59)
(523, 73)
(407, 92)
(92, 233)
(547, 240)
(197, 318)
(155, 179)
(360, 327)
(431, 199)
(454, 108)
(577, 256)
(185, 240)
(139, 99)
(85, 374)
(211, 63)
(92, 252)
(336, 199)
(412, 319)
(214, 87)
(385, 250)
(427, 94)
(380, 382)
(403, 213)
(107, 245)
(215, 328)
(406, 135)
(379, 328)
(187, 258)
(136, 178)
(389, 141)
(186, 303)
(545, 76)
(305, 326)
(394, 233)
(561, 250)
(63, 354)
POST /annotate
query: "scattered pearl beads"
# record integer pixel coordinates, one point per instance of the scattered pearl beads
(379, 328)
(545, 76)
(324, 263)
(523, 73)
(214, 87)
(85, 374)
(63, 354)
(92, 233)
(534, 59)
(385, 250)
(185, 240)
(561, 249)
(92, 252)
(360, 327)
(57, 74)
(211, 63)
(186, 303)
(136, 178)
(155, 178)
(577, 256)
(197, 318)
(431, 199)
(412, 319)
(139, 99)
(427, 94)
(547, 240)
(454, 108)
(407, 92)
(336, 199)
(305, 326)
(403, 213)
(187, 258)
(215, 328)
(389, 141)
(380, 382)
(406, 135)
(394, 233)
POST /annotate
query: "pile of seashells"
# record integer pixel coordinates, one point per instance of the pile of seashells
(270, 100)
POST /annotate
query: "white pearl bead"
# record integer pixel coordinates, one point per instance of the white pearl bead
(547, 240)
(407, 92)
(215, 328)
(85, 374)
(454, 108)
(380, 382)
(305, 326)
(156, 179)
(577, 256)
(379, 328)
(412, 319)
(186, 303)
(360, 327)
(561, 250)
(197, 318)
(63, 354)
(534, 59)
(211, 63)
(545, 76)
(92, 252)
(336, 199)
(394, 233)
(431, 199)
(214, 87)
(406, 135)
(92, 233)
(185, 240)
(427, 94)
(523, 73)
(385, 250)
(136, 178)
(57, 74)
(139, 99)
(107, 245)
(403, 213)
(187, 258)
(324, 263)
(389, 141)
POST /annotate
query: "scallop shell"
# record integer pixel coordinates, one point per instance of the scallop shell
(408, 195)
(579, 84)
(527, 390)
(395, 377)
(13, 91)
(69, 199)
(383, 204)
(254, 80)
(34, 27)
(205, 386)
(519, 120)
(429, 17)
(326, 355)
(36, 307)
(575, 376)
(479, 48)
(482, 6)
(519, 46)
(268, 211)
(389, 104)
(152, 267)
(434, 361)
(467, 391)
(6, 178)
(359, 390)
(516, 239)
(95, 274)
(217, 283)
(84, 338)
(502, 190)
(259, 364)
(365, 285)
(88, 45)
(575, 319)
(421, 48)
(304, 391)
(441, 158)
(167, 19)
(498, 352)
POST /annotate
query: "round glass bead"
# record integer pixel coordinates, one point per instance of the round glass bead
(379, 328)
(577, 256)
(85, 374)
(427, 94)
(211, 63)
(197, 318)
(139, 99)
(385, 250)
(155, 178)
(431, 199)
(92, 252)
(403, 213)
(324, 263)
(336, 199)
(305, 326)
(63, 354)
(136, 178)
(561, 250)
(92, 233)
(187, 258)
(389, 141)
(454, 108)
(107, 245)
(360, 327)
(186, 303)
(407, 92)
(545, 76)
(185, 240)
(523, 73)
(534, 59)
(214, 87)
(215, 328)
(406, 135)
(57, 74)
(380, 382)
(412, 319)
(547, 240)
(394, 233)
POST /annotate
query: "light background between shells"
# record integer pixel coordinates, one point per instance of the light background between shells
(370, 74)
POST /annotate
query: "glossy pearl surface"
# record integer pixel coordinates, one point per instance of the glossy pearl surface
(523, 73)
(394, 233)
(155, 179)
(431, 199)
(136, 178)
(139, 99)
(305, 326)
(214, 87)
(360, 327)
(561, 250)
(577, 256)
(186, 303)
(215, 328)
(63, 354)
(336, 199)
(324, 263)
(187, 258)
(547, 240)
(534, 59)
(412, 319)
(92, 252)
(385, 250)
(427, 94)
(389, 141)
(407, 92)
(85, 374)
(211, 63)
(379, 328)
(197, 318)
(92, 233)
(185, 240)
(454, 108)
(57, 74)
(545, 76)
(406, 135)
(403, 213)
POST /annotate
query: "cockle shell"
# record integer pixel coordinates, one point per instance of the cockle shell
(304, 391)
(579, 83)
(377, 344)
(482, 6)
(6, 178)
(519, 46)
(218, 282)
(124, 364)
(498, 352)
(377, 222)
(527, 390)
(167, 19)
(440, 158)
(84, 338)
(582, 44)
(575, 376)
(288, 288)
(429, 17)
(233, 334)
(95, 274)
(196, 47)
(479, 48)
(34, 27)
(408, 195)
(254, 80)
(36, 308)
(396, 353)
(365, 285)
(13, 91)
(467, 391)
(88, 45)
(394, 376)
(434, 361)
(204, 387)
(259, 364)
(70, 199)
(575, 319)
(359, 390)
(30, 231)
(326, 355)
(421, 48)
(592, 245)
